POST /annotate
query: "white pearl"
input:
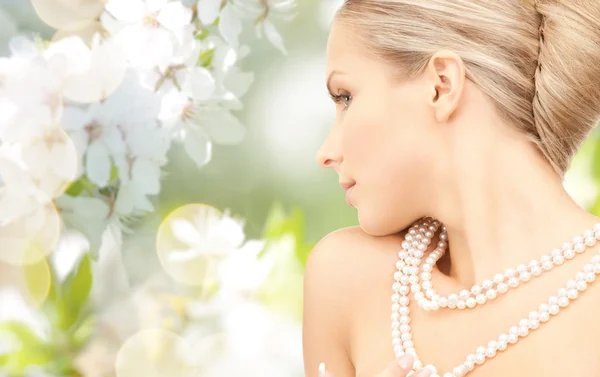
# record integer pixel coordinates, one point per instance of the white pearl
(461, 304)
(481, 299)
(590, 241)
(404, 320)
(479, 359)
(502, 345)
(404, 310)
(487, 284)
(559, 259)
(491, 294)
(525, 276)
(510, 273)
(427, 285)
(432, 368)
(570, 254)
(513, 338)
(547, 265)
(581, 285)
(577, 240)
(536, 271)
(554, 309)
(572, 294)
(471, 303)
(544, 317)
(563, 301)
(464, 294)
(395, 325)
(579, 247)
(513, 282)
(469, 365)
(404, 328)
(502, 287)
(396, 342)
(406, 337)
(498, 278)
(408, 344)
(395, 316)
(404, 300)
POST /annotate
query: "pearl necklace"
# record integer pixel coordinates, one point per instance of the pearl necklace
(407, 280)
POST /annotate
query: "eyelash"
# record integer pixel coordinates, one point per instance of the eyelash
(337, 98)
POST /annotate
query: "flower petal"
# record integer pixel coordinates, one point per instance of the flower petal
(223, 127)
(208, 11)
(198, 146)
(273, 36)
(97, 164)
(230, 25)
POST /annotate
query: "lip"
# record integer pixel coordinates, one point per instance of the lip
(348, 197)
(346, 185)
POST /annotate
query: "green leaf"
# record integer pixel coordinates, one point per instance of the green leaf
(205, 59)
(38, 280)
(83, 332)
(31, 350)
(202, 34)
(74, 293)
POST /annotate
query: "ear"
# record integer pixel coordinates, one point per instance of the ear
(447, 72)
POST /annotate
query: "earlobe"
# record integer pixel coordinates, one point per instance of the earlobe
(448, 80)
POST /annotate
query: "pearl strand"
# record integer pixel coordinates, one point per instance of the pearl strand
(502, 283)
(416, 242)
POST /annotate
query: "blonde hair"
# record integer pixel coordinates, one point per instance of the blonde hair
(538, 60)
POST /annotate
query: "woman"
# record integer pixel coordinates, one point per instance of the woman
(459, 117)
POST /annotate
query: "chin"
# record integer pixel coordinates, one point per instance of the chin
(376, 226)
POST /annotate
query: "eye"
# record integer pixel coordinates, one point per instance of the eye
(344, 98)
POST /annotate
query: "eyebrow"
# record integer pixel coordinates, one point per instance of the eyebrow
(333, 73)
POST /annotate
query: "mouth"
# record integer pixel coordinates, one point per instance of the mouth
(348, 195)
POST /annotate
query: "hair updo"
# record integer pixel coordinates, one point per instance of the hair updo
(538, 60)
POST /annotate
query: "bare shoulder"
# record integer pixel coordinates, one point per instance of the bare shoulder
(340, 269)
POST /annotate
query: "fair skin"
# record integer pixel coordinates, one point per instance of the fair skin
(435, 146)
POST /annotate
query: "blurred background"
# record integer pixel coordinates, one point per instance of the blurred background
(138, 320)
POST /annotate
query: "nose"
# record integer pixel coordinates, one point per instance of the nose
(329, 155)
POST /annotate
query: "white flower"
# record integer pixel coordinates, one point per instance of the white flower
(90, 216)
(208, 11)
(194, 240)
(242, 272)
(122, 130)
(145, 28)
(30, 97)
(87, 74)
(65, 13)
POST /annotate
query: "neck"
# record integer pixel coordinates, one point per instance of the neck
(505, 213)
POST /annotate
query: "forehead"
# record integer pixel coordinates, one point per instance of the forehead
(341, 48)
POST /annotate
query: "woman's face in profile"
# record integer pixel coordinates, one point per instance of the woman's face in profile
(380, 135)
